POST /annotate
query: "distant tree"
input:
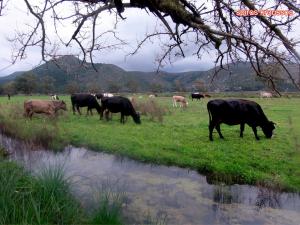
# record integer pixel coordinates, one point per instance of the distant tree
(199, 85)
(93, 87)
(273, 75)
(114, 87)
(132, 86)
(72, 87)
(9, 88)
(178, 86)
(156, 87)
(47, 84)
(27, 83)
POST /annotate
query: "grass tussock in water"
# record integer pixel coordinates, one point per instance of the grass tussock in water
(108, 211)
(44, 199)
(28, 200)
(181, 139)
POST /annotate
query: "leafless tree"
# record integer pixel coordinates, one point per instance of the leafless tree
(215, 25)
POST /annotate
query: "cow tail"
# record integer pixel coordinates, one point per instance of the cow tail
(209, 113)
(72, 101)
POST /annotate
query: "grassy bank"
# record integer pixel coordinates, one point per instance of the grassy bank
(45, 199)
(181, 139)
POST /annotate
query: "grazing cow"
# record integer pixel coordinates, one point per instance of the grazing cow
(48, 107)
(108, 95)
(101, 95)
(197, 95)
(238, 111)
(264, 94)
(182, 101)
(207, 95)
(54, 97)
(152, 95)
(120, 104)
(84, 100)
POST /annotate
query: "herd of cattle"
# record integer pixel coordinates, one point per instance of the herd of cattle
(231, 112)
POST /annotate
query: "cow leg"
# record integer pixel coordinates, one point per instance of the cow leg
(73, 108)
(78, 110)
(101, 113)
(255, 132)
(89, 111)
(107, 115)
(211, 128)
(122, 118)
(219, 131)
(30, 114)
(242, 128)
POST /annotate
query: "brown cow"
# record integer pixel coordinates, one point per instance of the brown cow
(48, 107)
(181, 100)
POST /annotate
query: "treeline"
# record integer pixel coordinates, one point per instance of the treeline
(55, 81)
(29, 83)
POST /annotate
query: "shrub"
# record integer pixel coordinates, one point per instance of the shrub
(151, 109)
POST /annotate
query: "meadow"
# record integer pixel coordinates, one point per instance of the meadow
(181, 139)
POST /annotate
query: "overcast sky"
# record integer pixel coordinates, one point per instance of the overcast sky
(133, 29)
(137, 24)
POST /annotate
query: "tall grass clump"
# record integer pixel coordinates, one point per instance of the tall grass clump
(151, 109)
(28, 200)
(108, 211)
(53, 197)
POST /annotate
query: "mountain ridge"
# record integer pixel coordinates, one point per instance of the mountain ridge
(68, 70)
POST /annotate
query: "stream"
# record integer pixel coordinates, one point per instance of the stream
(159, 194)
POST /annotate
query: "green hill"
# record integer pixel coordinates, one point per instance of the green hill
(68, 70)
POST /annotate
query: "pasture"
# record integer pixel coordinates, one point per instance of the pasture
(181, 139)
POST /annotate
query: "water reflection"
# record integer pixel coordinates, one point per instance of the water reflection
(159, 194)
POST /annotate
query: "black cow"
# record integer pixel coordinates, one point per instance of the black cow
(238, 111)
(84, 100)
(197, 95)
(119, 104)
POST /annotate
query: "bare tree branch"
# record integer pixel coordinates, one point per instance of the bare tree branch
(215, 25)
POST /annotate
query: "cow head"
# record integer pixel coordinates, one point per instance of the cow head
(63, 105)
(99, 96)
(268, 129)
(137, 118)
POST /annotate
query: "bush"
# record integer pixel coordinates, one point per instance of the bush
(151, 109)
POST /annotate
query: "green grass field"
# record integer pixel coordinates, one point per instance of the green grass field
(182, 139)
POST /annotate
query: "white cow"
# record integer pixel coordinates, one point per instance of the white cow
(182, 101)
(264, 94)
(108, 95)
(54, 97)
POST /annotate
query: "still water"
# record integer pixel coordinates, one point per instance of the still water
(160, 194)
